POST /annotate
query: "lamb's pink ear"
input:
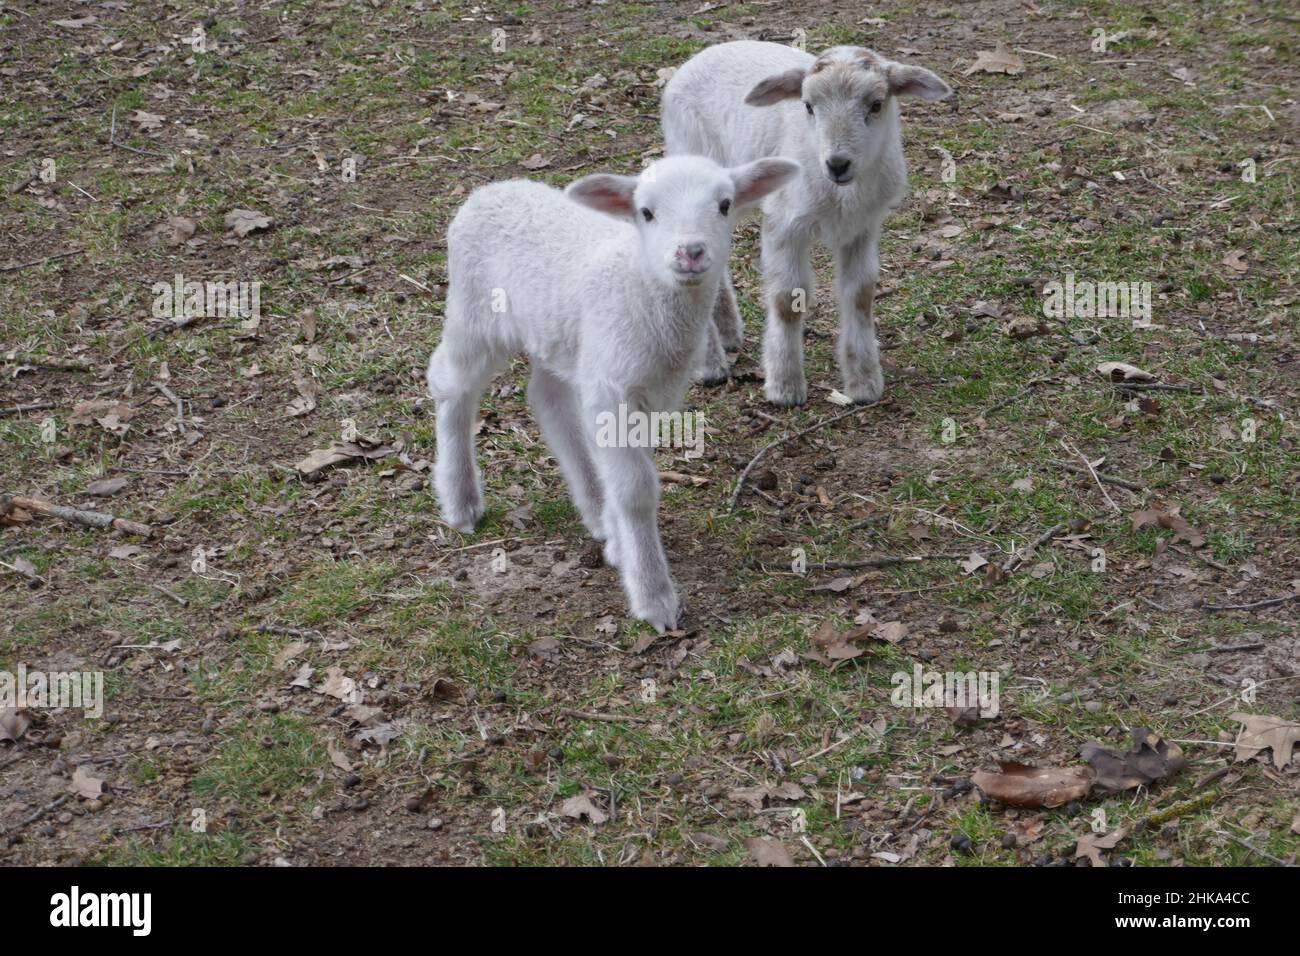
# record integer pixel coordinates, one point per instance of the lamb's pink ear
(604, 192)
(774, 89)
(905, 80)
(755, 180)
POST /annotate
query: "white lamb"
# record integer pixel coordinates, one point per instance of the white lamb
(837, 114)
(612, 310)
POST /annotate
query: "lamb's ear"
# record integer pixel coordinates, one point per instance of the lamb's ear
(906, 80)
(755, 180)
(604, 192)
(774, 89)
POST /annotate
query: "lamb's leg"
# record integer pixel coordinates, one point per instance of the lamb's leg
(555, 402)
(456, 379)
(727, 317)
(788, 275)
(857, 269)
(711, 363)
(630, 482)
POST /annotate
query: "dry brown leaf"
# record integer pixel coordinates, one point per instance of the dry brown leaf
(1091, 845)
(1235, 260)
(288, 653)
(13, 723)
(1020, 785)
(106, 487)
(1149, 760)
(1000, 60)
(84, 785)
(173, 231)
(341, 451)
(1123, 372)
(337, 756)
(581, 806)
(1171, 520)
(243, 221)
(768, 851)
(308, 394)
(1262, 732)
(340, 686)
(756, 797)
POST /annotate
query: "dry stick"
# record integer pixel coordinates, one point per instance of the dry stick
(1270, 602)
(38, 814)
(888, 561)
(740, 483)
(1101, 476)
(1092, 471)
(611, 718)
(42, 260)
(19, 409)
(1258, 852)
(169, 327)
(1029, 387)
(1014, 561)
(57, 364)
(1157, 387)
(89, 519)
(112, 141)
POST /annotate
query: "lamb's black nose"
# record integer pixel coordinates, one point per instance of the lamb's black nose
(838, 166)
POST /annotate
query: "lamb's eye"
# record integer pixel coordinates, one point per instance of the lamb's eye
(809, 108)
(875, 107)
(724, 207)
(647, 215)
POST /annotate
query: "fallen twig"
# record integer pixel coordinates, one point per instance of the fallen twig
(53, 805)
(112, 141)
(171, 594)
(740, 482)
(610, 718)
(20, 409)
(1017, 557)
(1242, 841)
(42, 260)
(1099, 475)
(56, 364)
(169, 327)
(1269, 602)
(886, 561)
(1092, 471)
(89, 519)
(1029, 387)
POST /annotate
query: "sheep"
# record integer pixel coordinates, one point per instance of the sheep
(608, 287)
(837, 115)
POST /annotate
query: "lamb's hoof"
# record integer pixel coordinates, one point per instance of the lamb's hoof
(661, 613)
(786, 394)
(867, 391)
(713, 379)
(464, 515)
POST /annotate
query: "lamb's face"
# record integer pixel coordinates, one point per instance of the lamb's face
(849, 96)
(847, 100)
(684, 211)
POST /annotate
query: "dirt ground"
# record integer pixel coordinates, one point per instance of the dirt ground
(312, 669)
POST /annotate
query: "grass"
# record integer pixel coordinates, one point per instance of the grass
(357, 567)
